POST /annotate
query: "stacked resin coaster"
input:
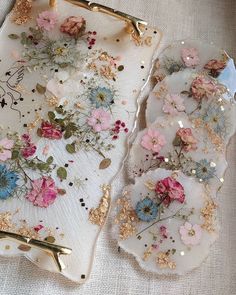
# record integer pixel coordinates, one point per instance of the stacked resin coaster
(167, 216)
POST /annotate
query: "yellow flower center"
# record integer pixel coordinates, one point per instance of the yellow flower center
(60, 51)
(101, 96)
(191, 232)
(155, 141)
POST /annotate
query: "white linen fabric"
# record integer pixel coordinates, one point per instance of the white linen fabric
(118, 273)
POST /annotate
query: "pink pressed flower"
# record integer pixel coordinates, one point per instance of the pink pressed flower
(169, 190)
(29, 147)
(190, 57)
(5, 149)
(187, 138)
(173, 104)
(153, 140)
(163, 232)
(50, 131)
(73, 26)
(215, 64)
(46, 20)
(99, 120)
(43, 192)
(215, 67)
(38, 227)
(202, 87)
(190, 234)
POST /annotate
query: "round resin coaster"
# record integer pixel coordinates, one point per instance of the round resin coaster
(175, 144)
(199, 56)
(167, 221)
(206, 103)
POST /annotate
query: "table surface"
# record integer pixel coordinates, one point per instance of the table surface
(118, 273)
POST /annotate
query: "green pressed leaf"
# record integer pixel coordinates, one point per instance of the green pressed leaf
(70, 148)
(42, 166)
(71, 126)
(121, 68)
(51, 116)
(177, 141)
(105, 163)
(41, 89)
(59, 110)
(14, 36)
(50, 160)
(62, 173)
(39, 132)
(68, 134)
(15, 155)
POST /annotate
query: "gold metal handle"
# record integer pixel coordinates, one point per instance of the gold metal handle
(136, 23)
(54, 250)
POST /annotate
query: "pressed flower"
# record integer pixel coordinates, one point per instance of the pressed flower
(49, 130)
(74, 26)
(5, 149)
(146, 210)
(153, 140)
(47, 20)
(173, 103)
(190, 234)
(8, 182)
(169, 190)
(29, 148)
(101, 97)
(215, 66)
(205, 170)
(202, 87)
(99, 120)
(63, 52)
(190, 57)
(43, 193)
(189, 142)
(214, 116)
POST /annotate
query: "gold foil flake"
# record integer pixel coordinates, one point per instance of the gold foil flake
(27, 231)
(126, 218)
(33, 124)
(208, 213)
(92, 66)
(126, 230)
(163, 260)
(106, 71)
(98, 216)
(150, 185)
(215, 139)
(162, 91)
(53, 101)
(147, 253)
(6, 221)
(21, 12)
(78, 105)
(148, 41)
(139, 40)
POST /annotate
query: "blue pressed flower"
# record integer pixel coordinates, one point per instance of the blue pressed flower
(101, 97)
(8, 181)
(205, 170)
(215, 117)
(146, 210)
